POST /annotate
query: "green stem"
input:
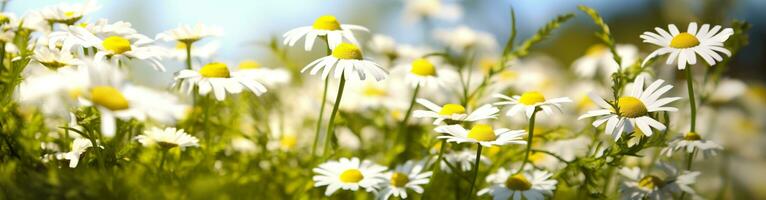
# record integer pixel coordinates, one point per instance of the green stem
(435, 167)
(331, 126)
(321, 116)
(403, 125)
(188, 55)
(475, 171)
(162, 159)
(529, 139)
(692, 101)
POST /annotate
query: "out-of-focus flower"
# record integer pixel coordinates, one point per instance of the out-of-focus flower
(409, 175)
(189, 34)
(167, 138)
(640, 185)
(598, 60)
(416, 10)
(79, 146)
(529, 101)
(462, 38)
(54, 59)
(67, 13)
(690, 142)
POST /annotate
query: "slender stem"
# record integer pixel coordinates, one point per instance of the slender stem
(435, 167)
(162, 158)
(403, 125)
(529, 139)
(475, 171)
(331, 126)
(321, 116)
(692, 101)
(188, 55)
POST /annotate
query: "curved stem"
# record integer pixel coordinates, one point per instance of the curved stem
(692, 101)
(321, 107)
(475, 171)
(529, 140)
(162, 159)
(331, 126)
(403, 125)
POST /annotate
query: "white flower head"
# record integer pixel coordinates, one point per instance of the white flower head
(640, 185)
(167, 138)
(117, 45)
(425, 72)
(67, 13)
(408, 176)
(348, 174)
(463, 37)
(455, 112)
(531, 185)
(416, 10)
(529, 101)
(54, 59)
(79, 146)
(217, 78)
(348, 61)
(189, 34)
(706, 42)
(690, 142)
(482, 134)
(599, 60)
(327, 26)
(634, 109)
(268, 76)
(462, 160)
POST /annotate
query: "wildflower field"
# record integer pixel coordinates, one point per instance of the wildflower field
(578, 106)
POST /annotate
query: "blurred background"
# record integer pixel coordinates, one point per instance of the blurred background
(247, 24)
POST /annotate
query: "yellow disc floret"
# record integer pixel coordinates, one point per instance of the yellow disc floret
(482, 133)
(684, 40)
(518, 182)
(326, 22)
(351, 176)
(650, 182)
(215, 70)
(451, 108)
(531, 98)
(108, 97)
(399, 179)
(692, 136)
(116, 44)
(347, 51)
(596, 50)
(631, 107)
(423, 67)
(249, 64)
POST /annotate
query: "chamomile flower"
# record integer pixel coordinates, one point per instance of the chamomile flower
(640, 185)
(531, 185)
(202, 51)
(79, 146)
(268, 76)
(216, 77)
(634, 109)
(529, 101)
(463, 37)
(409, 175)
(167, 138)
(347, 60)
(326, 26)
(416, 10)
(454, 112)
(690, 142)
(189, 34)
(599, 60)
(54, 59)
(424, 72)
(463, 160)
(482, 134)
(76, 37)
(348, 174)
(706, 42)
(111, 103)
(121, 48)
(67, 13)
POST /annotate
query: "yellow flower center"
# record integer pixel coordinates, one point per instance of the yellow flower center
(288, 141)
(631, 107)
(691, 136)
(347, 51)
(684, 40)
(518, 182)
(595, 50)
(399, 179)
(180, 45)
(531, 98)
(373, 91)
(423, 67)
(116, 44)
(83, 25)
(482, 132)
(351, 176)
(650, 182)
(249, 64)
(215, 70)
(69, 13)
(108, 97)
(536, 157)
(326, 22)
(452, 108)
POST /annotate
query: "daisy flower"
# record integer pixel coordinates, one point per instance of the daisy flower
(326, 26)
(529, 101)
(73, 37)
(706, 42)
(67, 13)
(167, 138)
(202, 52)
(463, 160)
(634, 109)
(121, 48)
(189, 34)
(54, 59)
(79, 146)
(599, 60)
(416, 10)
(268, 76)
(463, 37)
(454, 112)
(692, 141)
(646, 186)
(410, 175)
(424, 73)
(347, 60)
(216, 77)
(348, 174)
(482, 134)
(531, 185)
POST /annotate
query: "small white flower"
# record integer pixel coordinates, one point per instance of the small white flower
(67, 13)
(599, 60)
(216, 77)
(690, 142)
(706, 42)
(410, 175)
(634, 109)
(347, 60)
(54, 59)
(121, 48)
(189, 34)
(79, 146)
(348, 174)
(167, 138)
(327, 26)
(531, 185)
(462, 38)
(482, 134)
(454, 112)
(645, 186)
(268, 76)
(416, 10)
(529, 101)
(383, 44)
(424, 72)
(462, 160)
